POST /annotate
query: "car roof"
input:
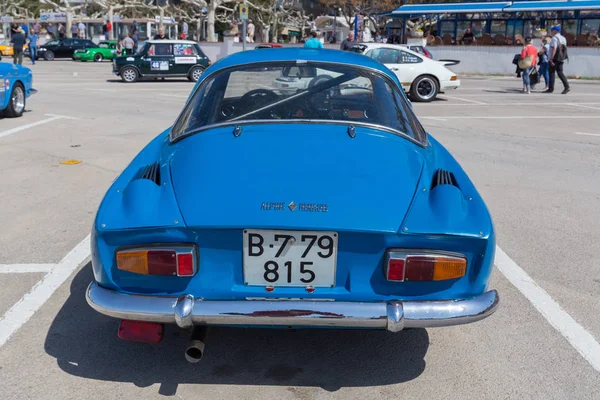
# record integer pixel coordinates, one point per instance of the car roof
(170, 41)
(301, 54)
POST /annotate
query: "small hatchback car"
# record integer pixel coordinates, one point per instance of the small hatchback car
(163, 59)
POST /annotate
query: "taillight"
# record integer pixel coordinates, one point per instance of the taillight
(402, 266)
(176, 261)
(7, 84)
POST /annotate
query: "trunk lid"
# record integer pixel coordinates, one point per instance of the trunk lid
(335, 182)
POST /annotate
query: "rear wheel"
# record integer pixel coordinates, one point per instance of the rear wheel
(16, 104)
(49, 55)
(98, 57)
(195, 74)
(425, 88)
(129, 75)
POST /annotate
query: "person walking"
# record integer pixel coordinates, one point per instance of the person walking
(556, 59)
(160, 35)
(128, 45)
(313, 42)
(109, 29)
(18, 41)
(527, 63)
(74, 30)
(105, 31)
(250, 31)
(33, 39)
(349, 42)
(184, 30)
(81, 30)
(61, 31)
(543, 55)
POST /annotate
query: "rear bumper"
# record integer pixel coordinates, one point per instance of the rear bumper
(449, 85)
(394, 316)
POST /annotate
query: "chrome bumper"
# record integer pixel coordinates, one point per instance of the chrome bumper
(394, 316)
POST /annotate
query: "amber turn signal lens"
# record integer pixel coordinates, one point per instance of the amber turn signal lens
(449, 268)
(454, 77)
(133, 261)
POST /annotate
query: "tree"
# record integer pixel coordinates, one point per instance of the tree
(277, 13)
(110, 6)
(367, 8)
(66, 7)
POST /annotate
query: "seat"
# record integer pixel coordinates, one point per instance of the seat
(582, 40)
(430, 40)
(438, 41)
(486, 40)
(500, 40)
(447, 39)
(570, 38)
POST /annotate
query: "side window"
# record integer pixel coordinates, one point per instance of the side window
(384, 56)
(160, 49)
(68, 42)
(407, 58)
(184, 50)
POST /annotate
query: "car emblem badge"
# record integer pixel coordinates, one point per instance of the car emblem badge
(292, 206)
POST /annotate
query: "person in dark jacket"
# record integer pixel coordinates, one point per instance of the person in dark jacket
(18, 41)
(349, 42)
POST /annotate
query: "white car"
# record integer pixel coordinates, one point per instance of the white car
(421, 77)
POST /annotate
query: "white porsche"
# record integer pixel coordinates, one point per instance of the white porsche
(421, 77)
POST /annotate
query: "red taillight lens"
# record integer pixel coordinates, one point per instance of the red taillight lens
(419, 268)
(185, 264)
(180, 260)
(139, 331)
(406, 265)
(395, 269)
(162, 262)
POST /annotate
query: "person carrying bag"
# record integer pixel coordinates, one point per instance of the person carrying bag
(527, 63)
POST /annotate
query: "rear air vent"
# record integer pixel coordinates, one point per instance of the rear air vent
(151, 172)
(443, 177)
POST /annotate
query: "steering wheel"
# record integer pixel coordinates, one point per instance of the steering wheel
(257, 98)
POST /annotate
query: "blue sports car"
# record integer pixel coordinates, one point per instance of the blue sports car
(15, 89)
(327, 207)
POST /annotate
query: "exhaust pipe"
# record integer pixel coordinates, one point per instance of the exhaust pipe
(195, 349)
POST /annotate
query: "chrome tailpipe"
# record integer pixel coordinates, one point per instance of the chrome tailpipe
(195, 349)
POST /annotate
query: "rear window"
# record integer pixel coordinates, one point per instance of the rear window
(292, 92)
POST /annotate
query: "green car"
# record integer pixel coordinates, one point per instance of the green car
(106, 50)
(162, 59)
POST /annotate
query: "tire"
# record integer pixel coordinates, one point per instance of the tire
(129, 75)
(98, 57)
(49, 55)
(424, 89)
(195, 73)
(16, 103)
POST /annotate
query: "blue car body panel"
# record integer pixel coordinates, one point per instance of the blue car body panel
(378, 187)
(11, 74)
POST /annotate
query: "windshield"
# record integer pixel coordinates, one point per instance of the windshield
(298, 92)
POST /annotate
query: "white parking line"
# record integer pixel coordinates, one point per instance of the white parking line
(24, 309)
(587, 134)
(580, 339)
(25, 268)
(27, 126)
(583, 106)
(467, 100)
(53, 117)
(174, 95)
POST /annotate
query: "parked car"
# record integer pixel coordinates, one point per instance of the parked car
(162, 59)
(423, 78)
(16, 87)
(6, 48)
(324, 208)
(105, 50)
(61, 48)
(419, 49)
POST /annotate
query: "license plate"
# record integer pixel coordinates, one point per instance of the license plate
(290, 258)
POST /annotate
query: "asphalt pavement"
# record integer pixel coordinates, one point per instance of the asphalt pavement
(534, 158)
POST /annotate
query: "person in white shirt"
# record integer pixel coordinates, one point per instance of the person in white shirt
(250, 31)
(556, 58)
(81, 30)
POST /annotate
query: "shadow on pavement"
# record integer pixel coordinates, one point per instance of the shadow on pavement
(85, 344)
(152, 80)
